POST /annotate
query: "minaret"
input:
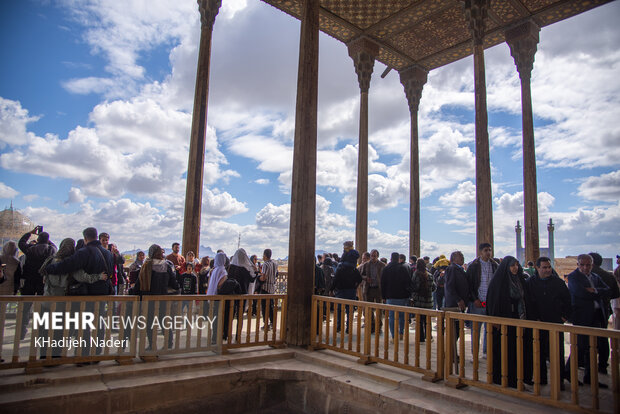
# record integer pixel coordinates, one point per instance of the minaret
(550, 228)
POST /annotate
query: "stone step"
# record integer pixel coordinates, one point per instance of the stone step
(293, 380)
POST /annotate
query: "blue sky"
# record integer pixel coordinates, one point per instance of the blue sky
(95, 113)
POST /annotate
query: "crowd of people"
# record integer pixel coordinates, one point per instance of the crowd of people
(588, 296)
(93, 266)
(485, 286)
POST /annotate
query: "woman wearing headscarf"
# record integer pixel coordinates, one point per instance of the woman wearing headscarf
(156, 276)
(203, 275)
(242, 270)
(220, 284)
(423, 288)
(506, 298)
(56, 285)
(12, 270)
(218, 274)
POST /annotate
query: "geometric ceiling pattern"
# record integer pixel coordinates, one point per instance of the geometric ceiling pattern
(430, 33)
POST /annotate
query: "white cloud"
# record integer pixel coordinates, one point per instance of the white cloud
(7, 192)
(85, 86)
(30, 197)
(274, 216)
(605, 187)
(13, 123)
(75, 196)
(262, 181)
(220, 204)
(464, 195)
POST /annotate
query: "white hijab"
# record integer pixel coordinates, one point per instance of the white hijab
(241, 259)
(218, 272)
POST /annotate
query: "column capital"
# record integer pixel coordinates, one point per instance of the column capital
(476, 12)
(523, 41)
(363, 52)
(413, 79)
(208, 11)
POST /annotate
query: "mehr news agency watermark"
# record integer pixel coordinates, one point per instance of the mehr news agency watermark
(51, 321)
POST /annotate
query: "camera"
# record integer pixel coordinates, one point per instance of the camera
(38, 230)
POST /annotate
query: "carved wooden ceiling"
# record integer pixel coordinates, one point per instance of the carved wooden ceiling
(430, 33)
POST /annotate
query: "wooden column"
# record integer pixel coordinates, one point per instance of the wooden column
(195, 164)
(476, 13)
(413, 79)
(523, 41)
(303, 191)
(363, 52)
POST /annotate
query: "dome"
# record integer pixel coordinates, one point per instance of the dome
(13, 225)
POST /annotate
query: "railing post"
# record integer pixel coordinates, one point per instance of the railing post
(554, 372)
(504, 354)
(593, 371)
(453, 381)
(536, 358)
(574, 377)
(315, 324)
(490, 328)
(615, 375)
(440, 346)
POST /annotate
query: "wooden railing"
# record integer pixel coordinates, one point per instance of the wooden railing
(30, 350)
(125, 327)
(412, 352)
(525, 338)
(458, 361)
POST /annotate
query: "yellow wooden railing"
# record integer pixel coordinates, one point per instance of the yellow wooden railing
(412, 352)
(130, 327)
(445, 356)
(458, 375)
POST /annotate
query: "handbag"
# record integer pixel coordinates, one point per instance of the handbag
(77, 289)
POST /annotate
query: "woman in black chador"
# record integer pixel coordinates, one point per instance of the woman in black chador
(506, 298)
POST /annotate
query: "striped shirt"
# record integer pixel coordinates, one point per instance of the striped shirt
(486, 273)
(269, 270)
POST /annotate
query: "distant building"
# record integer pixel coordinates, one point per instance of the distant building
(548, 252)
(13, 225)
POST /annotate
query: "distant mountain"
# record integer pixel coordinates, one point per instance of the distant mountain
(133, 252)
(316, 253)
(206, 251)
(203, 251)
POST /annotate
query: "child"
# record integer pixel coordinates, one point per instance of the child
(189, 284)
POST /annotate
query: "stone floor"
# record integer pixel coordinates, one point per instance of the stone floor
(285, 380)
(262, 381)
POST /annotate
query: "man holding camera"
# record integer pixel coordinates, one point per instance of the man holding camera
(35, 255)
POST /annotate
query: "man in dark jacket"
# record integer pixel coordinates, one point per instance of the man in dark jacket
(587, 291)
(396, 288)
(614, 292)
(346, 281)
(457, 288)
(549, 302)
(479, 274)
(92, 258)
(35, 255)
